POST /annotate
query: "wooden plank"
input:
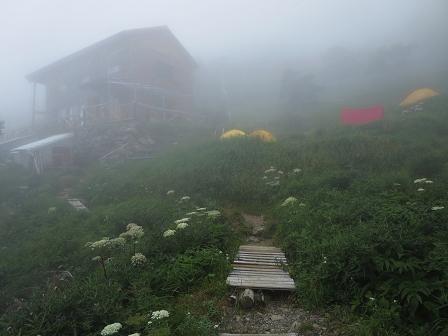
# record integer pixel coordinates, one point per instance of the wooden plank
(259, 255)
(261, 278)
(261, 252)
(259, 248)
(257, 267)
(259, 271)
(281, 255)
(267, 275)
(265, 263)
(266, 283)
(278, 260)
(259, 274)
(284, 334)
(261, 285)
(252, 267)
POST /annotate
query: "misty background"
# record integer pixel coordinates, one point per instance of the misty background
(254, 56)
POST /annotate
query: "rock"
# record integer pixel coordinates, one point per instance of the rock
(257, 230)
(253, 239)
(295, 326)
(276, 317)
(247, 298)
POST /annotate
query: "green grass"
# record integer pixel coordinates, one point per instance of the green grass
(363, 239)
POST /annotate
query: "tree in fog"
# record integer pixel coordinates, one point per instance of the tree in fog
(390, 59)
(298, 92)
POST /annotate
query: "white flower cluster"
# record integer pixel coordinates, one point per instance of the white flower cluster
(182, 220)
(170, 192)
(193, 213)
(181, 225)
(169, 233)
(133, 232)
(213, 213)
(435, 208)
(159, 314)
(106, 243)
(270, 170)
(423, 180)
(275, 180)
(185, 199)
(138, 260)
(111, 329)
(288, 201)
(197, 212)
(296, 170)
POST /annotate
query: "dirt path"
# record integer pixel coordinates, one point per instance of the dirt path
(279, 313)
(257, 225)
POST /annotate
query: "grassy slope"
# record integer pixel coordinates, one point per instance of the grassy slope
(360, 241)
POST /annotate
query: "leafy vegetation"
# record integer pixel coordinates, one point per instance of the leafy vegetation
(366, 236)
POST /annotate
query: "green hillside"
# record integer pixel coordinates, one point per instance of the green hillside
(366, 237)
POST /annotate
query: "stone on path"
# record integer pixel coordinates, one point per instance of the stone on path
(247, 298)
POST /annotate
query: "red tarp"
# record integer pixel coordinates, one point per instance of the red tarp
(361, 116)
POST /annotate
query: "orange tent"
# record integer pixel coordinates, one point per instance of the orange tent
(263, 135)
(234, 133)
(418, 96)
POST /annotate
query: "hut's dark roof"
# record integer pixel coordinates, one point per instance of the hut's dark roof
(46, 71)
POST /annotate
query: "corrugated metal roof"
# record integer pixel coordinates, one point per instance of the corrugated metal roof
(43, 142)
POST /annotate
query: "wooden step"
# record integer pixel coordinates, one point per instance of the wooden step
(260, 267)
(77, 204)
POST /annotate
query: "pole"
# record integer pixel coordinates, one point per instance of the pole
(33, 107)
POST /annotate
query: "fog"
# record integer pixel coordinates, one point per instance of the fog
(241, 47)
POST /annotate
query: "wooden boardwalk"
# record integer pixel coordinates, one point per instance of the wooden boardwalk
(260, 267)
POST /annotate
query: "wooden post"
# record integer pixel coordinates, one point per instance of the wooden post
(135, 101)
(33, 107)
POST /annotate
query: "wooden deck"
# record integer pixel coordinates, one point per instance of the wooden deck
(260, 267)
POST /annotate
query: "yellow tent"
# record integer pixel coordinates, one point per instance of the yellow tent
(263, 135)
(234, 133)
(417, 96)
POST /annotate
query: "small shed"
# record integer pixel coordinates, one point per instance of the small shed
(54, 151)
